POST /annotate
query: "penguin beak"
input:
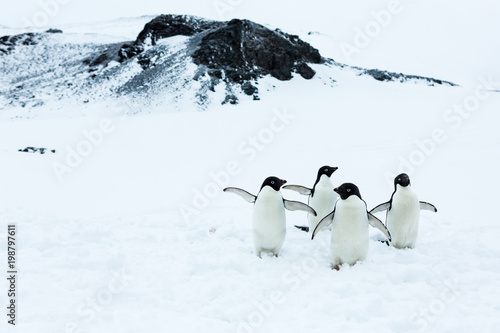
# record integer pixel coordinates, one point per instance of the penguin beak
(336, 190)
(335, 168)
(284, 181)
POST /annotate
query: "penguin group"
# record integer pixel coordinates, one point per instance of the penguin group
(340, 209)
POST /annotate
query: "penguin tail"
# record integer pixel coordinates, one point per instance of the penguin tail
(303, 228)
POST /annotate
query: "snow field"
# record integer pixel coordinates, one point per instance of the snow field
(119, 213)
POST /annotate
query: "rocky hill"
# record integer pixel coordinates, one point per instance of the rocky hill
(174, 60)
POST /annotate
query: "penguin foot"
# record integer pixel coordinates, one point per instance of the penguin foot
(303, 228)
(336, 267)
(386, 242)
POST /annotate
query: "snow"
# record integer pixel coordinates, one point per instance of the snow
(138, 236)
(120, 212)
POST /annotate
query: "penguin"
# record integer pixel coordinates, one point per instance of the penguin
(349, 240)
(321, 197)
(268, 218)
(403, 213)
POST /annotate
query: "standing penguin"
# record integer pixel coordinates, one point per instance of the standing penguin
(350, 219)
(321, 197)
(403, 213)
(268, 220)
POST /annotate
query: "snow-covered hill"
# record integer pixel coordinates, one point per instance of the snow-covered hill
(176, 62)
(125, 228)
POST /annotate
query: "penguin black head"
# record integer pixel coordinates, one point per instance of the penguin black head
(346, 190)
(402, 179)
(326, 170)
(273, 182)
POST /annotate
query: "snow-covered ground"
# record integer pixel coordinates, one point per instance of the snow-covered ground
(146, 203)
(125, 228)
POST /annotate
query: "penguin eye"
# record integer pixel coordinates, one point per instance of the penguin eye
(326, 170)
(348, 190)
(272, 182)
(399, 179)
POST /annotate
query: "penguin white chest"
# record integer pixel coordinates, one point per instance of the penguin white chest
(268, 222)
(349, 237)
(403, 218)
(322, 201)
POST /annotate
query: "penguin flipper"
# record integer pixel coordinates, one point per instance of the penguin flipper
(376, 223)
(296, 205)
(298, 188)
(242, 193)
(427, 206)
(381, 207)
(326, 221)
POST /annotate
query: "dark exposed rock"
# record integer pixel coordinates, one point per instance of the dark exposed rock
(235, 51)
(379, 75)
(54, 31)
(246, 50)
(165, 26)
(145, 62)
(400, 77)
(248, 88)
(112, 52)
(36, 150)
(305, 71)
(7, 43)
(231, 99)
(129, 50)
